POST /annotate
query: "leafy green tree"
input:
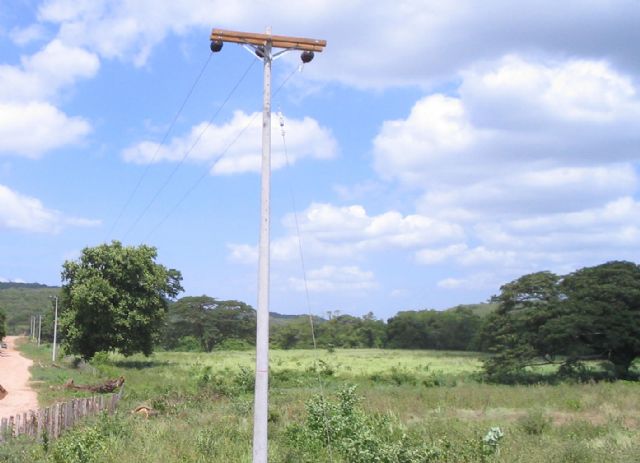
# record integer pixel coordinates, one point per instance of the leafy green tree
(210, 321)
(593, 313)
(115, 297)
(294, 333)
(432, 329)
(513, 330)
(600, 317)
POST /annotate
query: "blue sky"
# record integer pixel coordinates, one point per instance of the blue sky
(436, 149)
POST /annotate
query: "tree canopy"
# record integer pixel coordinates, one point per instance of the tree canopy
(593, 313)
(210, 322)
(115, 297)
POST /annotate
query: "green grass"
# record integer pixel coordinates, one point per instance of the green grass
(205, 408)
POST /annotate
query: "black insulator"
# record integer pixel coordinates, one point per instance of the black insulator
(306, 56)
(260, 52)
(216, 45)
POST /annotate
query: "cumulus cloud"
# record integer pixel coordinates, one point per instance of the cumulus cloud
(331, 278)
(239, 154)
(21, 212)
(41, 76)
(340, 232)
(415, 43)
(31, 129)
(30, 124)
(535, 160)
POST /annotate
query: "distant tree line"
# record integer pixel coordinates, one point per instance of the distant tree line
(117, 297)
(204, 323)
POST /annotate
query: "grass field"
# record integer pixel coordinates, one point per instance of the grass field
(409, 406)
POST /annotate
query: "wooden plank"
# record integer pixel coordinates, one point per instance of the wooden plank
(226, 34)
(40, 419)
(278, 44)
(4, 426)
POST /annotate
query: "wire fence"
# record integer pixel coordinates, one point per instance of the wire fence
(53, 420)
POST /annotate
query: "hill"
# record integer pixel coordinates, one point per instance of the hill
(22, 300)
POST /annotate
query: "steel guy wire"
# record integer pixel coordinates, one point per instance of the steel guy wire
(306, 285)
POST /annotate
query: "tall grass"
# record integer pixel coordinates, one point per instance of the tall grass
(204, 405)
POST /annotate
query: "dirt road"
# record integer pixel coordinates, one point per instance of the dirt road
(14, 377)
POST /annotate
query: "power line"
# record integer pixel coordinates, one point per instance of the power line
(216, 160)
(190, 149)
(162, 142)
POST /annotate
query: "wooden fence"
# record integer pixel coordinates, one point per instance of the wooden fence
(58, 417)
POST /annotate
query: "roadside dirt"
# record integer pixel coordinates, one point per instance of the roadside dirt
(15, 377)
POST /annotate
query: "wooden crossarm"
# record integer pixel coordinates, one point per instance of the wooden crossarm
(278, 41)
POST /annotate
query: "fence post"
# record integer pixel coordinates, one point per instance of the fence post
(4, 425)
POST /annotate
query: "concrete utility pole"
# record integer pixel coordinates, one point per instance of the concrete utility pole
(55, 328)
(39, 328)
(262, 45)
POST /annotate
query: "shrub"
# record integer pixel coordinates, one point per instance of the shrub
(534, 423)
(344, 428)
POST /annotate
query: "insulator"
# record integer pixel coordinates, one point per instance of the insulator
(216, 45)
(306, 56)
(260, 52)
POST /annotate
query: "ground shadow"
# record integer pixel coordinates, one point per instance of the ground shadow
(141, 364)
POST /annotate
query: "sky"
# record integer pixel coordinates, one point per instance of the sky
(433, 152)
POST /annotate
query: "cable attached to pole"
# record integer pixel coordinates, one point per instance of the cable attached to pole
(306, 286)
(189, 150)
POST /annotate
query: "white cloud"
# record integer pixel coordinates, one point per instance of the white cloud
(30, 124)
(350, 230)
(331, 278)
(305, 138)
(567, 114)
(414, 43)
(338, 233)
(482, 281)
(41, 76)
(20, 212)
(26, 35)
(31, 129)
(535, 160)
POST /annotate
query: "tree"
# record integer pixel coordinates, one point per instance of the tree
(210, 321)
(512, 331)
(115, 297)
(593, 313)
(600, 317)
(3, 324)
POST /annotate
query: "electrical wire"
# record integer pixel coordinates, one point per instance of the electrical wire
(162, 142)
(189, 150)
(216, 160)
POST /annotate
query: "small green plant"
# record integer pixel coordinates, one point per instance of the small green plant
(492, 439)
(534, 423)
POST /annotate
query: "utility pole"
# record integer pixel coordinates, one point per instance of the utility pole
(55, 328)
(39, 328)
(263, 46)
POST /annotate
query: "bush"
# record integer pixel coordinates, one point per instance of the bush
(534, 423)
(344, 428)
